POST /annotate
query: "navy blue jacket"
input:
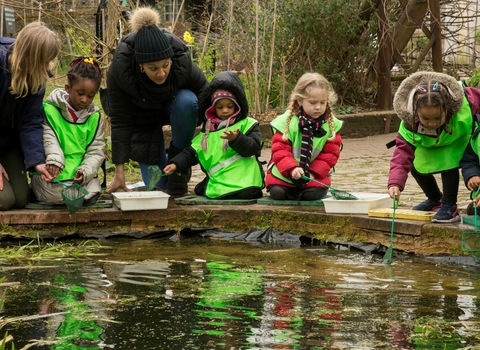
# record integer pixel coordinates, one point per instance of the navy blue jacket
(20, 126)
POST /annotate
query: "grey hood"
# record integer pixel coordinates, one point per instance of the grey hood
(58, 98)
(403, 100)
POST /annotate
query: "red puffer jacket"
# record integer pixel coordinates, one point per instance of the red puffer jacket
(319, 168)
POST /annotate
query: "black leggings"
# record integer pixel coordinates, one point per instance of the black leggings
(16, 191)
(278, 192)
(428, 183)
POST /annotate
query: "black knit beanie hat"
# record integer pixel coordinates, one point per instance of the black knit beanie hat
(151, 43)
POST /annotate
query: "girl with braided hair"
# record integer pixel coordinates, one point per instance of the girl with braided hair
(73, 136)
(437, 121)
(306, 142)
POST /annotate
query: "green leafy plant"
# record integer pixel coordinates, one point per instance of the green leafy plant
(474, 81)
(344, 109)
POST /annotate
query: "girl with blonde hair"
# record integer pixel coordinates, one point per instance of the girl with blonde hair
(25, 65)
(305, 143)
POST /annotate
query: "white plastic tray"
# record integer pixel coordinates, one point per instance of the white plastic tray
(362, 205)
(150, 200)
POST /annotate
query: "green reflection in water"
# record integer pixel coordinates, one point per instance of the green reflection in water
(436, 333)
(224, 286)
(78, 330)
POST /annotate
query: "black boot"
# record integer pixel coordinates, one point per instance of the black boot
(177, 183)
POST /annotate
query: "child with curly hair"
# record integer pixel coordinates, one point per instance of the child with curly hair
(306, 142)
(437, 121)
(73, 135)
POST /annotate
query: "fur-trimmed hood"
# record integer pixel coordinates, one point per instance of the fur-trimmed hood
(403, 99)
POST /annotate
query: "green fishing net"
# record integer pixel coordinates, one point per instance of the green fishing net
(73, 196)
(154, 175)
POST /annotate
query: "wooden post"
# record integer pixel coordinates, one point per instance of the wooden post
(437, 32)
(1, 18)
(229, 34)
(384, 89)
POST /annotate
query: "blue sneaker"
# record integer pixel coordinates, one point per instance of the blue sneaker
(428, 205)
(447, 213)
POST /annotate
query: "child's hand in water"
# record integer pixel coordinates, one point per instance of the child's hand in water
(170, 169)
(230, 135)
(297, 173)
(473, 183)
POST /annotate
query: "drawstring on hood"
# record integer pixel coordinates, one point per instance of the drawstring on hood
(223, 85)
(215, 123)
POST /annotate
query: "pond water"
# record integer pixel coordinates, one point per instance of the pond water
(201, 293)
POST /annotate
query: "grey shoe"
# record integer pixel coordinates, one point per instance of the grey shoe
(428, 205)
(447, 213)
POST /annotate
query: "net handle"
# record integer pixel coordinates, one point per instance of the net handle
(60, 182)
(333, 191)
(318, 182)
(475, 223)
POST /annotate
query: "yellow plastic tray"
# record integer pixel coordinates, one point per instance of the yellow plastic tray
(402, 214)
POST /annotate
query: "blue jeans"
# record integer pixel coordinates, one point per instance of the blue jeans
(182, 114)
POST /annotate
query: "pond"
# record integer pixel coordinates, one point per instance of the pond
(203, 293)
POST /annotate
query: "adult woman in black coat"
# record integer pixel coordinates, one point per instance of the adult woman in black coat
(152, 81)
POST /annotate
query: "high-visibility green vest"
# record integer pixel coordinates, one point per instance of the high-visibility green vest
(434, 157)
(228, 172)
(74, 138)
(295, 137)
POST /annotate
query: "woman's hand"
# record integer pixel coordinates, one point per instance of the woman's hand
(118, 180)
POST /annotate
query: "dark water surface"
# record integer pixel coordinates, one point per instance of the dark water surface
(217, 294)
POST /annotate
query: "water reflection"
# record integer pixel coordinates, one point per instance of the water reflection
(209, 294)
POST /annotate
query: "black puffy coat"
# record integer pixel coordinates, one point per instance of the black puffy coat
(134, 103)
(246, 145)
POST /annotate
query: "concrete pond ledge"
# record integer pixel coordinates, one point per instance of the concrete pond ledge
(410, 236)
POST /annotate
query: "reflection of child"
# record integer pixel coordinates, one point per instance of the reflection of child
(306, 142)
(73, 134)
(228, 146)
(436, 126)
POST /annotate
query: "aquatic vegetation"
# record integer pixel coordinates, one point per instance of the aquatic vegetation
(36, 251)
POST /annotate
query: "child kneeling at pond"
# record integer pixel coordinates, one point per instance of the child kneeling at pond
(306, 142)
(437, 121)
(73, 136)
(228, 146)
